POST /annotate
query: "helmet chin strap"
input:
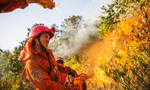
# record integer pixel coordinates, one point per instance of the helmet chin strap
(43, 48)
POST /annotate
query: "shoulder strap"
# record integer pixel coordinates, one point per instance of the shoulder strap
(49, 66)
(49, 63)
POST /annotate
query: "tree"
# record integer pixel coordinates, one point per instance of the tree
(73, 24)
(70, 27)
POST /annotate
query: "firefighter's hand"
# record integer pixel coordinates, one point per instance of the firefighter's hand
(43, 3)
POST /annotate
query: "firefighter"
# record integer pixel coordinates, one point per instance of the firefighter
(41, 67)
(10, 5)
(62, 76)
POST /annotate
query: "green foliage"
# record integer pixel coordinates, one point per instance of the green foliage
(121, 2)
(103, 29)
(106, 22)
(71, 26)
(133, 70)
(134, 74)
(15, 87)
(73, 21)
(75, 64)
(113, 13)
(72, 62)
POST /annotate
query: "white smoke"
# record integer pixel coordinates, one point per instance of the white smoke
(90, 13)
(82, 37)
(75, 43)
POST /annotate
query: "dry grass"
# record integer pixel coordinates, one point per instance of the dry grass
(130, 35)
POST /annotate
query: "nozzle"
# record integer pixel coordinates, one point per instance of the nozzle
(90, 75)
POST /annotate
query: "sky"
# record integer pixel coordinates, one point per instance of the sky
(14, 24)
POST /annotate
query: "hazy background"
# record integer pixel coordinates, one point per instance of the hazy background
(14, 24)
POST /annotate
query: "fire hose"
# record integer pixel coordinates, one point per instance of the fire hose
(79, 81)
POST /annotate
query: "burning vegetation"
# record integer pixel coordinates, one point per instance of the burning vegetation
(120, 59)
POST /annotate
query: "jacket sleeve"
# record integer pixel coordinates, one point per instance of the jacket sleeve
(10, 5)
(66, 70)
(41, 80)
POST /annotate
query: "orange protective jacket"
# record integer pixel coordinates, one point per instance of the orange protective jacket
(62, 77)
(10, 5)
(37, 69)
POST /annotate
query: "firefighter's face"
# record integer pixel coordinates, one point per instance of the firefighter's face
(44, 39)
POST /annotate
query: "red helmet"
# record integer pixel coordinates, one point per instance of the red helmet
(38, 29)
(60, 60)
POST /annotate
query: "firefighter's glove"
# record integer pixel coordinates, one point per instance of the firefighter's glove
(72, 72)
